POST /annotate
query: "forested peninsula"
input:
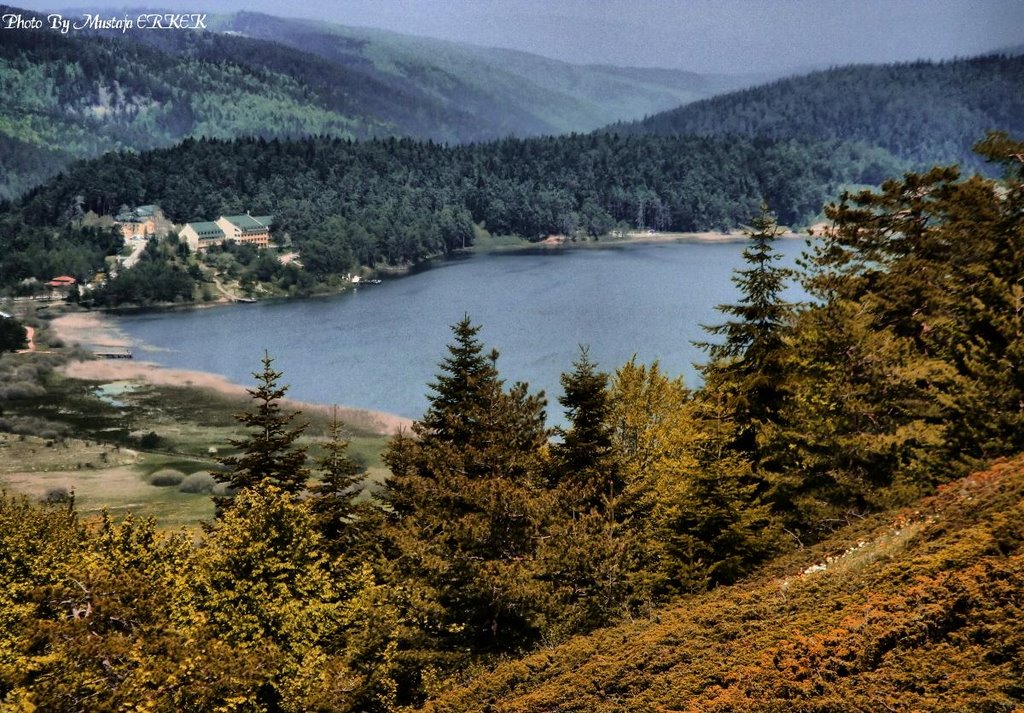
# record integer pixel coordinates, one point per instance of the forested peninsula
(391, 202)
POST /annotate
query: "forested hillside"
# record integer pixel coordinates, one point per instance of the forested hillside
(506, 92)
(923, 112)
(797, 533)
(915, 610)
(83, 94)
(68, 97)
(345, 204)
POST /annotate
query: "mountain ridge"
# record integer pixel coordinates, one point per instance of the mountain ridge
(923, 112)
(274, 77)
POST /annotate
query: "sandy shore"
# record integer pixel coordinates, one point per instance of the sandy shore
(89, 329)
(659, 237)
(93, 328)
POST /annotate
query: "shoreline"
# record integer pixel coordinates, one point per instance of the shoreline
(93, 328)
(632, 238)
(389, 272)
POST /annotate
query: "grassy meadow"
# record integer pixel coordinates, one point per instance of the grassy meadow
(129, 445)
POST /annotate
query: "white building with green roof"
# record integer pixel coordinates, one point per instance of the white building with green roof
(251, 229)
(254, 229)
(202, 235)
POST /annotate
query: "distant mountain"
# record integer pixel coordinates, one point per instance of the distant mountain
(923, 112)
(80, 95)
(1012, 50)
(510, 92)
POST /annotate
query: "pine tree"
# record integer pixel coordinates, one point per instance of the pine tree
(747, 367)
(263, 584)
(865, 421)
(465, 494)
(464, 390)
(584, 466)
(268, 452)
(691, 508)
(13, 335)
(586, 555)
(988, 217)
(332, 498)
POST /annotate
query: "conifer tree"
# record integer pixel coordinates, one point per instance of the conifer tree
(466, 499)
(989, 217)
(263, 584)
(692, 513)
(332, 498)
(584, 466)
(586, 555)
(865, 424)
(747, 367)
(269, 451)
(13, 335)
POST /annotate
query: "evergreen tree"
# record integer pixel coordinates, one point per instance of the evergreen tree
(263, 584)
(586, 555)
(332, 498)
(692, 513)
(464, 390)
(465, 494)
(269, 451)
(13, 335)
(584, 466)
(987, 217)
(866, 422)
(747, 367)
(867, 413)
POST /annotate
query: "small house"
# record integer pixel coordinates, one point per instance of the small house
(61, 286)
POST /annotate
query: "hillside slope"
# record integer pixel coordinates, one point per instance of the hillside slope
(506, 91)
(923, 112)
(918, 610)
(83, 94)
(70, 97)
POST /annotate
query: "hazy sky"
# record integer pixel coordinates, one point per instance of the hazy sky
(700, 35)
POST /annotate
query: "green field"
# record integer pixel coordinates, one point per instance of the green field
(129, 446)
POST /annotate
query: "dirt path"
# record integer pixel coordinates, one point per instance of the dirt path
(30, 335)
(228, 295)
(137, 250)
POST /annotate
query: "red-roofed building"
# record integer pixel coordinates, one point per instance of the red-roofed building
(60, 287)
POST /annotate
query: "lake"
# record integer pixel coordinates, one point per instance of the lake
(378, 347)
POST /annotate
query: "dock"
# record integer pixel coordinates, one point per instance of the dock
(113, 354)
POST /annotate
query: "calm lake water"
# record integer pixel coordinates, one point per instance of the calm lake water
(378, 347)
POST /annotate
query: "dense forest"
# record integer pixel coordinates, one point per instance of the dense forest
(68, 97)
(86, 93)
(396, 201)
(922, 112)
(495, 536)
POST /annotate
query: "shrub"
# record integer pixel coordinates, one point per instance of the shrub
(199, 482)
(56, 496)
(167, 477)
